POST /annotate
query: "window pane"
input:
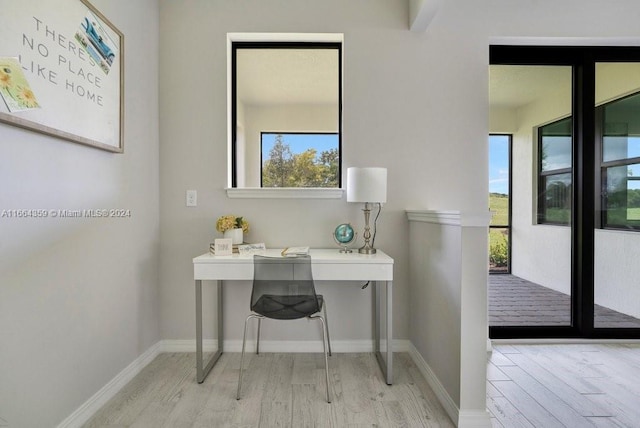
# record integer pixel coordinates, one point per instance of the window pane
(556, 145)
(557, 198)
(622, 200)
(499, 179)
(299, 160)
(277, 87)
(499, 250)
(621, 138)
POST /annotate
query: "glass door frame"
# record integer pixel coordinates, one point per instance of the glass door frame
(582, 59)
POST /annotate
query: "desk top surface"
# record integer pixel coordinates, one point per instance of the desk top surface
(318, 256)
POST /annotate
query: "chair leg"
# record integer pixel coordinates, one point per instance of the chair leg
(326, 360)
(326, 320)
(258, 337)
(244, 339)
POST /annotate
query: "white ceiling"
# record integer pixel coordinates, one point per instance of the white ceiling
(512, 86)
(287, 76)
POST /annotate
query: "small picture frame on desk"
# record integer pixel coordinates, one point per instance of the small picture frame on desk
(223, 247)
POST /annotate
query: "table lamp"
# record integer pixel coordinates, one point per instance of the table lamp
(368, 185)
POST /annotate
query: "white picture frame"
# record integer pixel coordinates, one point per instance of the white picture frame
(223, 247)
(71, 58)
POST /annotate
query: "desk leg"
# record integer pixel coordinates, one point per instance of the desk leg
(201, 370)
(386, 364)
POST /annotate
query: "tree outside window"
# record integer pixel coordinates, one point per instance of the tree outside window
(300, 159)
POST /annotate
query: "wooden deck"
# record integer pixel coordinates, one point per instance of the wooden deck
(514, 301)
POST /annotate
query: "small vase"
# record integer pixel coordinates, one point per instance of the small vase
(235, 235)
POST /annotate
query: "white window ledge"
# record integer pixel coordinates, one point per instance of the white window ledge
(452, 218)
(284, 193)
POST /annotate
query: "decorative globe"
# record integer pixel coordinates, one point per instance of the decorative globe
(344, 235)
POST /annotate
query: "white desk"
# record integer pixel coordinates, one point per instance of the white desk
(327, 265)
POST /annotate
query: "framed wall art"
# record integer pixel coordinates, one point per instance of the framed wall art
(62, 71)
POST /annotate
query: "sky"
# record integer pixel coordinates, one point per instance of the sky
(499, 164)
(557, 151)
(300, 142)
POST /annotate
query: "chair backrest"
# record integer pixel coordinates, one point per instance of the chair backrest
(283, 287)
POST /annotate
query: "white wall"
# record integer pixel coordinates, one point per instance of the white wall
(617, 271)
(79, 298)
(436, 302)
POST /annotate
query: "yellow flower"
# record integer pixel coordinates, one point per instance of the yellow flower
(5, 77)
(228, 222)
(26, 97)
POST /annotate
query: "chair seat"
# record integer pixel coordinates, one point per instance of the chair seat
(287, 307)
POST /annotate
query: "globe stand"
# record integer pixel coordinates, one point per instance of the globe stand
(345, 249)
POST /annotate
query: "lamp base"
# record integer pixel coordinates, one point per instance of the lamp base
(367, 249)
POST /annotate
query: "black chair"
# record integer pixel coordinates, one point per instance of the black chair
(283, 289)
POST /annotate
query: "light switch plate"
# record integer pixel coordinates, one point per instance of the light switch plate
(192, 198)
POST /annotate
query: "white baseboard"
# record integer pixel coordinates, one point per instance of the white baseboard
(445, 399)
(464, 418)
(188, 345)
(474, 419)
(402, 345)
(93, 404)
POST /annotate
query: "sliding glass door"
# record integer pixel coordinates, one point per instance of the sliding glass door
(532, 103)
(575, 225)
(617, 232)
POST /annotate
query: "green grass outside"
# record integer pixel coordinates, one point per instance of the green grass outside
(559, 215)
(623, 216)
(500, 205)
(498, 250)
(498, 245)
(497, 236)
(633, 213)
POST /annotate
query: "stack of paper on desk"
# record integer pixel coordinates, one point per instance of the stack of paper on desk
(295, 251)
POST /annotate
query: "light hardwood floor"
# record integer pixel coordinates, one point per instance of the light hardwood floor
(279, 390)
(539, 386)
(573, 386)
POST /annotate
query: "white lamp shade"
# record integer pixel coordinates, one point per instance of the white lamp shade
(367, 185)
